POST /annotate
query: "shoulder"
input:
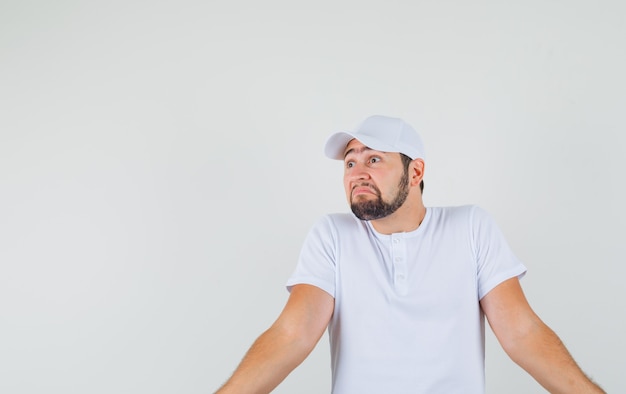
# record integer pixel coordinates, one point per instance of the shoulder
(333, 224)
(462, 213)
(463, 219)
(340, 221)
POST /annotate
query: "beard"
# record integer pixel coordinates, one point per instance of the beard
(378, 208)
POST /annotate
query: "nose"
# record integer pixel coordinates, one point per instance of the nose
(358, 172)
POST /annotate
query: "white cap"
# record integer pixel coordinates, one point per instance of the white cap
(380, 133)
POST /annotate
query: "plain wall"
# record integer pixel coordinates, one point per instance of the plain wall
(161, 163)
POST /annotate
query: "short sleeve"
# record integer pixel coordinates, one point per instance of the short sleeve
(316, 264)
(495, 259)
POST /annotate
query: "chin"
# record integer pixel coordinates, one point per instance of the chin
(362, 197)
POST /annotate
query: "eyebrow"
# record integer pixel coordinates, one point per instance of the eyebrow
(355, 150)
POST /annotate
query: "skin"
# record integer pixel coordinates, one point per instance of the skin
(285, 344)
(368, 173)
(532, 344)
(364, 166)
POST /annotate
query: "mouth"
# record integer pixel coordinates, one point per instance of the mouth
(361, 190)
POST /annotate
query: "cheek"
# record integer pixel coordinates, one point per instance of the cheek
(346, 187)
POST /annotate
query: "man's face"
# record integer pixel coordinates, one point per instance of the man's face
(376, 183)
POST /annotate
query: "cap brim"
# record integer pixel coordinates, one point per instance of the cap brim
(336, 144)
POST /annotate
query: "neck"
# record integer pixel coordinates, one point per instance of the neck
(407, 218)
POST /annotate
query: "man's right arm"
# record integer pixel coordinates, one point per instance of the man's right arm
(285, 344)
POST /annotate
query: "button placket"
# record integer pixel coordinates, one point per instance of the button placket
(399, 263)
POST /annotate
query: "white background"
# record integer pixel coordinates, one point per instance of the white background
(161, 163)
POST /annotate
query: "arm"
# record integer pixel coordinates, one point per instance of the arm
(532, 344)
(285, 344)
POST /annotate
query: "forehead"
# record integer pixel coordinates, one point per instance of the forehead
(355, 146)
(353, 143)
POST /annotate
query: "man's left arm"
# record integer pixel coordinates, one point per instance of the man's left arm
(530, 343)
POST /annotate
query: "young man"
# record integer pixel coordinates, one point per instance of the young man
(403, 289)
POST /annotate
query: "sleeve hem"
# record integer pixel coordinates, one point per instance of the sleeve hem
(517, 271)
(327, 287)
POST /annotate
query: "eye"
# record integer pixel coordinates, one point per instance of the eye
(374, 159)
(349, 164)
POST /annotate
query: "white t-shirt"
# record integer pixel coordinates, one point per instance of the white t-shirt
(407, 317)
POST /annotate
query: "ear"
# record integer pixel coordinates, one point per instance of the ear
(416, 172)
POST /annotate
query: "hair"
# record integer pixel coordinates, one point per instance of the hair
(406, 161)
